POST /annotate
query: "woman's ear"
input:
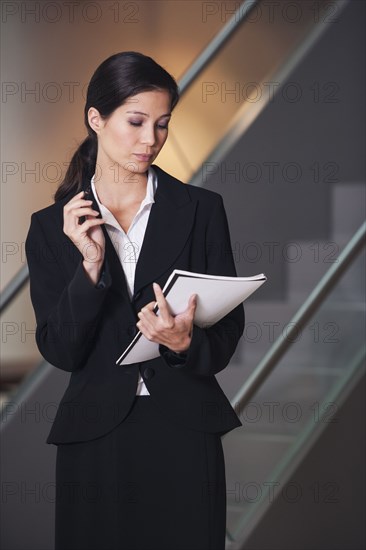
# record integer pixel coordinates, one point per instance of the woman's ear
(95, 120)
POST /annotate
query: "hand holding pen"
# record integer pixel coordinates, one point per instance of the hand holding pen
(83, 226)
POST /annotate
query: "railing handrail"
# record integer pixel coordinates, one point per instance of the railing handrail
(13, 287)
(204, 58)
(300, 319)
(216, 44)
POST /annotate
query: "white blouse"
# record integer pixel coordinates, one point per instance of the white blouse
(128, 245)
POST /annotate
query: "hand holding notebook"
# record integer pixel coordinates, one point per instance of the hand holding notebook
(216, 296)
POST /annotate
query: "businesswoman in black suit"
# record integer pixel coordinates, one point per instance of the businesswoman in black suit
(139, 455)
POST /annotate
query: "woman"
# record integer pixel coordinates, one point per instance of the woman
(139, 455)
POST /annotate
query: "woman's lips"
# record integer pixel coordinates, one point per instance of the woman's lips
(142, 157)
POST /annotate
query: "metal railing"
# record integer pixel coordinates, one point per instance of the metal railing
(300, 319)
(13, 288)
(216, 44)
(338, 393)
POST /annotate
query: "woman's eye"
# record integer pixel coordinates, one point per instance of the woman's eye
(140, 122)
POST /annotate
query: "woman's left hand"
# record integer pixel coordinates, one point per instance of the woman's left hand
(174, 332)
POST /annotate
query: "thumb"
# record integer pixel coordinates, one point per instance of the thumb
(192, 304)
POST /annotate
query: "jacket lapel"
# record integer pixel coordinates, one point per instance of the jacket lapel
(170, 224)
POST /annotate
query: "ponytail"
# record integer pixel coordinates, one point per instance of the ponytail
(82, 166)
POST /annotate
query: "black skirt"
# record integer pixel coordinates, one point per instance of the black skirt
(149, 484)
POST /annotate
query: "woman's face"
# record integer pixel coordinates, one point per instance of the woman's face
(132, 137)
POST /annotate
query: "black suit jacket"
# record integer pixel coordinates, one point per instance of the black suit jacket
(84, 329)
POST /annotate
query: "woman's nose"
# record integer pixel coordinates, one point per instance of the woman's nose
(148, 135)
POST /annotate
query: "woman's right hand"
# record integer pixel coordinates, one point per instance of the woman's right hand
(88, 237)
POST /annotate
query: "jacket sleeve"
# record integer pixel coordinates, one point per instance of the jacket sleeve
(212, 348)
(67, 313)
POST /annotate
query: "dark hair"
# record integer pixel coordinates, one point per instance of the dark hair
(119, 77)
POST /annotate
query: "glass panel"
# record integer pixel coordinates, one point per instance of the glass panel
(290, 403)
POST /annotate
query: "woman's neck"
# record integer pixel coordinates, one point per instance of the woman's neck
(114, 186)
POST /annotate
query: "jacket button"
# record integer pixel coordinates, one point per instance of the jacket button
(149, 373)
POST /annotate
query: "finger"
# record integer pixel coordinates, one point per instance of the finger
(148, 307)
(192, 303)
(188, 313)
(84, 211)
(147, 315)
(81, 230)
(78, 195)
(147, 325)
(144, 325)
(70, 206)
(162, 303)
(90, 222)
